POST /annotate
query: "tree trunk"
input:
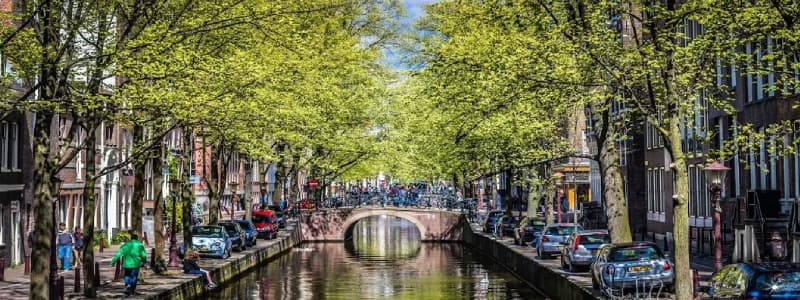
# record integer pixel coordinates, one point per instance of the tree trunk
(137, 203)
(89, 289)
(26, 136)
(619, 227)
(533, 200)
(158, 213)
(44, 230)
(294, 189)
(280, 176)
(549, 200)
(680, 212)
(248, 190)
(213, 186)
(187, 196)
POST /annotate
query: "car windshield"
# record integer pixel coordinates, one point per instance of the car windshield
(207, 231)
(587, 239)
(779, 282)
(634, 253)
(261, 219)
(561, 230)
(245, 225)
(229, 227)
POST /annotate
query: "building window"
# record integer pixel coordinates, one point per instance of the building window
(4, 146)
(786, 178)
(650, 191)
(622, 147)
(14, 145)
(2, 227)
(762, 161)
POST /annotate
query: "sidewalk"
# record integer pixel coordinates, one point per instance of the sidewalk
(17, 284)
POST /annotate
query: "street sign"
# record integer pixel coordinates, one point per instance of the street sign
(165, 170)
(313, 183)
(194, 179)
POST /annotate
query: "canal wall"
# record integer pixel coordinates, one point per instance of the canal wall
(545, 279)
(229, 269)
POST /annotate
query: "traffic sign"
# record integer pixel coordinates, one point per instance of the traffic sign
(194, 179)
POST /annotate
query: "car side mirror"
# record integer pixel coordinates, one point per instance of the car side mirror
(703, 290)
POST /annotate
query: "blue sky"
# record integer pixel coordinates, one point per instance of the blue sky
(414, 10)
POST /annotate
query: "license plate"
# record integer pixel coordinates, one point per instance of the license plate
(638, 268)
(203, 250)
(595, 252)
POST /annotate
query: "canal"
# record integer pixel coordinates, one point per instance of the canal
(384, 260)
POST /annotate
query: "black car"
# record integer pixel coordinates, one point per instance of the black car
(237, 235)
(507, 225)
(279, 215)
(527, 230)
(490, 220)
(756, 281)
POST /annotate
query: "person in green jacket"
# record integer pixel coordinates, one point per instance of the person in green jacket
(133, 257)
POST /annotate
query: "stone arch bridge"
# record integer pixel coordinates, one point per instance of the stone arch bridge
(337, 224)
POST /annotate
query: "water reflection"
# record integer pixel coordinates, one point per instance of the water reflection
(385, 260)
(384, 238)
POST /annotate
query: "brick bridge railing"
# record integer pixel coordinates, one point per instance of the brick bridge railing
(337, 224)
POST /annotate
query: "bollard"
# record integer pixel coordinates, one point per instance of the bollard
(2, 269)
(102, 243)
(96, 274)
(60, 287)
(117, 271)
(27, 270)
(77, 285)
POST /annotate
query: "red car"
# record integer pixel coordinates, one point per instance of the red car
(306, 204)
(266, 223)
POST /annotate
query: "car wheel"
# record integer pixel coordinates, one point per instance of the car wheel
(572, 268)
(594, 282)
(563, 264)
(516, 242)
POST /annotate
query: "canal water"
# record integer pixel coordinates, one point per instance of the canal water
(384, 260)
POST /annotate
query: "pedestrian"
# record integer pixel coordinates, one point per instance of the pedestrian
(190, 266)
(65, 241)
(77, 248)
(133, 257)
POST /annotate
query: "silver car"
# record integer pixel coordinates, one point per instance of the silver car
(553, 235)
(581, 248)
(637, 265)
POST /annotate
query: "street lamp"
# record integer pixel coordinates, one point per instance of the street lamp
(174, 185)
(715, 174)
(558, 177)
(57, 182)
(234, 194)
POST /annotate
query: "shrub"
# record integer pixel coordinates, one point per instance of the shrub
(120, 237)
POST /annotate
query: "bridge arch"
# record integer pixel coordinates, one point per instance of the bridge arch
(352, 219)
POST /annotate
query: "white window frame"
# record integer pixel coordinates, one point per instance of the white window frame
(4, 146)
(14, 146)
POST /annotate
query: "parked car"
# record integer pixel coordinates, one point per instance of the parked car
(527, 230)
(264, 221)
(306, 204)
(250, 234)
(507, 225)
(279, 216)
(552, 236)
(236, 233)
(210, 241)
(629, 265)
(756, 281)
(490, 220)
(581, 248)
